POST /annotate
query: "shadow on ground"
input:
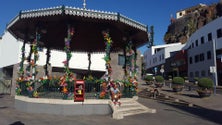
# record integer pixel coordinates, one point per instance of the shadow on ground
(191, 95)
(17, 123)
(207, 114)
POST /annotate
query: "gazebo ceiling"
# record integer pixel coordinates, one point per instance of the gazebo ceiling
(88, 26)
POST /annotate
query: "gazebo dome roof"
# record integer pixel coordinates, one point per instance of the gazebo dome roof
(88, 24)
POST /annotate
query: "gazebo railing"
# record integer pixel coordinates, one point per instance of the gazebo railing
(51, 89)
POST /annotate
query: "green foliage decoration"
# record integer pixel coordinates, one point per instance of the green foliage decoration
(178, 81)
(159, 79)
(205, 83)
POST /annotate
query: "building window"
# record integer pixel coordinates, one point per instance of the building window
(189, 47)
(192, 45)
(208, 55)
(121, 60)
(202, 57)
(197, 58)
(202, 40)
(203, 73)
(209, 73)
(191, 60)
(196, 42)
(219, 33)
(196, 74)
(209, 36)
(154, 60)
(191, 74)
(162, 56)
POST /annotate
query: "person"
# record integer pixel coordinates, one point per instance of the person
(115, 94)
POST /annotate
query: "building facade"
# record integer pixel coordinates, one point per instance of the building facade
(156, 57)
(201, 52)
(200, 56)
(190, 10)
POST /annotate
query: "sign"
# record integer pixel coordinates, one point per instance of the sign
(79, 91)
(162, 70)
(212, 69)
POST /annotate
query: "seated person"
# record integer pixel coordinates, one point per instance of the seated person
(115, 94)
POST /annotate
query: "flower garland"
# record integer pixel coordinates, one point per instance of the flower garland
(48, 55)
(67, 49)
(108, 43)
(21, 71)
(130, 59)
(68, 77)
(131, 68)
(36, 56)
(30, 78)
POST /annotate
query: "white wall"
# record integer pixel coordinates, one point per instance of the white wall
(152, 59)
(9, 50)
(178, 15)
(211, 27)
(10, 54)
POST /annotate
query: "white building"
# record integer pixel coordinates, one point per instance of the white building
(190, 10)
(201, 52)
(157, 55)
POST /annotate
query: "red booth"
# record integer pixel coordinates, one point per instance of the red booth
(79, 91)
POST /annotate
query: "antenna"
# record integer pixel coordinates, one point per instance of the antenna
(84, 4)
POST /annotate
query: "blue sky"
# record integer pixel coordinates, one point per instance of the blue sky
(148, 12)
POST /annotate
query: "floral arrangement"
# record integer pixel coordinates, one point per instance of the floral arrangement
(67, 49)
(48, 55)
(29, 80)
(130, 70)
(68, 77)
(103, 93)
(108, 43)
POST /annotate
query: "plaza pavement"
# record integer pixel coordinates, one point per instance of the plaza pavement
(167, 114)
(213, 102)
(205, 111)
(190, 96)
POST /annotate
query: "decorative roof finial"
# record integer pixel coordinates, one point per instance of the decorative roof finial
(84, 4)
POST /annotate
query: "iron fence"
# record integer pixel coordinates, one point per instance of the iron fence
(53, 90)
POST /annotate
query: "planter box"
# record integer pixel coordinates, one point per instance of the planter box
(177, 88)
(204, 93)
(159, 85)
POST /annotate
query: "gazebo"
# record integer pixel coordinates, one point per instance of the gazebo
(76, 30)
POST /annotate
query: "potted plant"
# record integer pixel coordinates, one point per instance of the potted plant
(186, 79)
(149, 79)
(196, 80)
(177, 84)
(170, 77)
(159, 81)
(205, 87)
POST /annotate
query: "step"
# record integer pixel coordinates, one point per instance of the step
(131, 107)
(133, 112)
(127, 105)
(121, 109)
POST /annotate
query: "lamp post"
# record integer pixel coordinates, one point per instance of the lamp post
(215, 65)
